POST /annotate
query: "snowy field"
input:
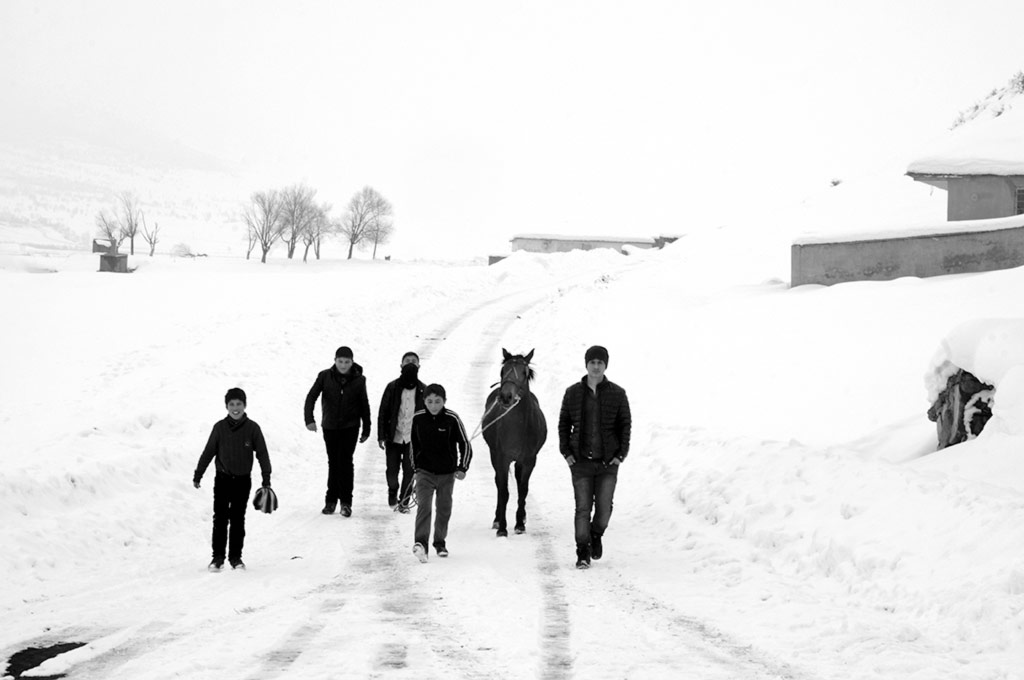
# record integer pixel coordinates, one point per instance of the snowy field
(781, 514)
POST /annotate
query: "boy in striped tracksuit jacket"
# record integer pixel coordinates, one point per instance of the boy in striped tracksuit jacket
(441, 453)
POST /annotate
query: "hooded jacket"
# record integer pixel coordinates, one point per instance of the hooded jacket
(234, 443)
(390, 403)
(439, 443)
(343, 400)
(615, 421)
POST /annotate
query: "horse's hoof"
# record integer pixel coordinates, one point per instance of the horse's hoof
(495, 524)
(502, 533)
(520, 530)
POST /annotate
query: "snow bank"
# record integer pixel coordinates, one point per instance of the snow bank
(988, 348)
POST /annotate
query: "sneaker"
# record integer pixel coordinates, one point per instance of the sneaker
(420, 552)
(441, 550)
(346, 510)
(217, 564)
(328, 509)
(238, 564)
(583, 557)
(596, 549)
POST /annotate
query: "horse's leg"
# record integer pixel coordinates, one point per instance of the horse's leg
(501, 481)
(523, 472)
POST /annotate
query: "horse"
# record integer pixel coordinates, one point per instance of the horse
(515, 430)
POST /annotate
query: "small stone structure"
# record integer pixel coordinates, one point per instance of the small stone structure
(962, 409)
(114, 262)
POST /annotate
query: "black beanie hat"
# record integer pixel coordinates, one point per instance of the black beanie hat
(343, 352)
(435, 389)
(596, 352)
(235, 393)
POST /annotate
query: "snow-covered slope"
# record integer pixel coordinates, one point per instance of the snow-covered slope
(988, 139)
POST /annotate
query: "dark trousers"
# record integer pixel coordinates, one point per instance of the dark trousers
(594, 486)
(230, 498)
(341, 444)
(426, 484)
(399, 457)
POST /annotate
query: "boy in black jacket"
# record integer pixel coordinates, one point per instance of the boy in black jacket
(344, 405)
(233, 442)
(441, 453)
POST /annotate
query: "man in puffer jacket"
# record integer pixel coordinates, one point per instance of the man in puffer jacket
(593, 435)
(344, 406)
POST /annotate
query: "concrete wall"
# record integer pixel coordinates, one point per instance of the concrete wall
(982, 197)
(887, 259)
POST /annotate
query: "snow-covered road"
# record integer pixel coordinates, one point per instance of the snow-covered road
(334, 597)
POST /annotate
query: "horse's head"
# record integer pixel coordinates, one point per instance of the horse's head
(516, 375)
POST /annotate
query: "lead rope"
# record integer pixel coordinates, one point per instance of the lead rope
(409, 500)
(481, 427)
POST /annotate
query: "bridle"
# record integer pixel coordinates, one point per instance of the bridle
(513, 369)
(521, 383)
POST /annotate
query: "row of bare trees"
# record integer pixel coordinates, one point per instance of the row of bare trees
(293, 216)
(124, 223)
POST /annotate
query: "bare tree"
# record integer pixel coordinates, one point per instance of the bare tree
(380, 233)
(151, 237)
(110, 228)
(318, 227)
(366, 209)
(263, 218)
(130, 216)
(250, 233)
(297, 214)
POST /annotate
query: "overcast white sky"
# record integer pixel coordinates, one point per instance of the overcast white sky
(480, 120)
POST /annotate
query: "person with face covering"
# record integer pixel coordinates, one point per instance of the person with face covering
(344, 405)
(402, 398)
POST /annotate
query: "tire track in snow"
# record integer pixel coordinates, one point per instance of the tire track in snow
(716, 645)
(381, 576)
(555, 660)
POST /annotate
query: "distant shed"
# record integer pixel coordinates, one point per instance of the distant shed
(552, 243)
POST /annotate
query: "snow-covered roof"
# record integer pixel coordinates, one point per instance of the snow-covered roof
(988, 141)
(926, 230)
(574, 238)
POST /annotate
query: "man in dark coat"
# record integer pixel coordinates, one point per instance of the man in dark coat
(401, 400)
(344, 407)
(593, 435)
